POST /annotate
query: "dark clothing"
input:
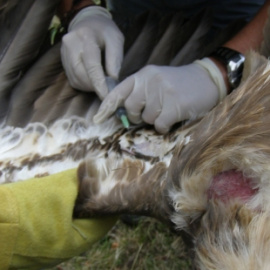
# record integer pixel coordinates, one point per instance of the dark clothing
(225, 11)
(68, 8)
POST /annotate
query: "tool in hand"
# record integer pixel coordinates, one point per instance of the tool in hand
(121, 111)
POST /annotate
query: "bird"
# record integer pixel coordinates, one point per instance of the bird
(211, 182)
(41, 115)
(207, 177)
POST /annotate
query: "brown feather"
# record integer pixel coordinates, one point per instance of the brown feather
(138, 170)
(197, 29)
(21, 43)
(34, 84)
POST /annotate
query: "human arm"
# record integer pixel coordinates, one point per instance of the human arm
(189, 99)
(249, 38)
(36, 224)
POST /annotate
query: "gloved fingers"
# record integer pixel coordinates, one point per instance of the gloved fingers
(163, 123)
(72, 62)
(143, 108)
(79, 77)
(114, 54)
(170, 114)
(144, 99)
(91, 58)
(135, 102)
(114, 100)
(153, 106)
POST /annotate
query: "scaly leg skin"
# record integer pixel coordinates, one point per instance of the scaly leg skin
(122, 187)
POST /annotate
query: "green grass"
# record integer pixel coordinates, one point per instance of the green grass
(149, 245)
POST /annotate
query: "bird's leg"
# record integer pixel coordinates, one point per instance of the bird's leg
(123, 188)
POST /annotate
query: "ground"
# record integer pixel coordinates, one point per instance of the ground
(149, 245)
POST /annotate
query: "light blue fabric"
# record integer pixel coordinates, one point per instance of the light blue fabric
(225, 11)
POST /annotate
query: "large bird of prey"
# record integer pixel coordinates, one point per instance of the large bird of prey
(208, 177)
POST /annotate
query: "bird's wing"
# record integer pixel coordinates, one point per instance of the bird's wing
(47, 126)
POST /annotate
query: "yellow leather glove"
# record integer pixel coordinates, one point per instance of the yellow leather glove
(36, 224)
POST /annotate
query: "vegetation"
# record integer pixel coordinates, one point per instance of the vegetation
(148, 245)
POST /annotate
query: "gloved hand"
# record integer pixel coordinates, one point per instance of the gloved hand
(165, 95)
(91, 31)
(36, 224)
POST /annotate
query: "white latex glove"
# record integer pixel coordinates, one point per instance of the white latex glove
(165, 95)
(91, 31)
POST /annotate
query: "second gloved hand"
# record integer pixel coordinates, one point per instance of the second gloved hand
(91, 31)
(163, 96)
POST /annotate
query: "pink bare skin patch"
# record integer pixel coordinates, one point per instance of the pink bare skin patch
(231, 184)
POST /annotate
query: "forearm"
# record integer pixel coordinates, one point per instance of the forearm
(250, 37)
